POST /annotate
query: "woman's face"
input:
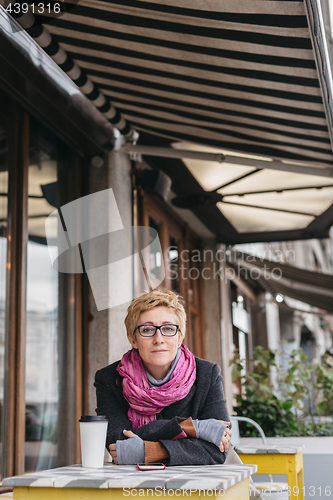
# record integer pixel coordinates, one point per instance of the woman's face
(157, 352)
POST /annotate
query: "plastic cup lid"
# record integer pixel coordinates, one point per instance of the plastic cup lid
(93, 418)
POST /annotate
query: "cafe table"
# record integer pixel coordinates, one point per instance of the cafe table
(115, 482)
(277, 459)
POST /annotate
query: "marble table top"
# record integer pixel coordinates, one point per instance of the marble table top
(269, 448)
(195, 477)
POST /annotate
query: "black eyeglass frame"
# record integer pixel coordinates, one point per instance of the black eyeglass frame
(157, 328)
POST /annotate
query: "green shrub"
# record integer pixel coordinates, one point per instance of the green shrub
(284, 412)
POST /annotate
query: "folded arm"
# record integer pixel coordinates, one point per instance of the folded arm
(109, 405)
(173, 440)
(187, 448)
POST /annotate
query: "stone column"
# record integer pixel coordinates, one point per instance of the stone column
(107, 334)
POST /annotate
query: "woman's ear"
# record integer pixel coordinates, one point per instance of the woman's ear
(133, 341)
(180, 342)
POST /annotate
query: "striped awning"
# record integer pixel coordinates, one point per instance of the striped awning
(243, 75)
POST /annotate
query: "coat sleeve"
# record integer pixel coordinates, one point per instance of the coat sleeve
(197, 451)
(215, 405)
(109, 405)
(188, 450)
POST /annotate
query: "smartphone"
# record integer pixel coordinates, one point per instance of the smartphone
(151, 466)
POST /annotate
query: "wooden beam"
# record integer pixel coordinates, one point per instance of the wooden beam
(16, 288)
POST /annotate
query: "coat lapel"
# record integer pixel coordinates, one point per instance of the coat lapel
(178, 407)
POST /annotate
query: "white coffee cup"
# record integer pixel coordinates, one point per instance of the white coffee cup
(93, 437)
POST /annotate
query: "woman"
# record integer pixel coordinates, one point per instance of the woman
(163, 404)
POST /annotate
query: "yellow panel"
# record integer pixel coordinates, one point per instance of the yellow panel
(239, 490)
(290, 464)
(30, 493)
(267, 463)
(274, 463)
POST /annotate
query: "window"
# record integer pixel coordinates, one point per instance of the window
(48, 396)
(155, 257)
(40, 327)
(173, 264)
(3, 262)
(242, 327)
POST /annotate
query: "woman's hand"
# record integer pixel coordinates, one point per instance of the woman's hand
(113, 446)
(225, 441)
(113, 452)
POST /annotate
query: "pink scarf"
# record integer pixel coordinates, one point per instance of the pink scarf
(145, 401)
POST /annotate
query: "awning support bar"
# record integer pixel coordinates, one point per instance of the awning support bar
(220, 157)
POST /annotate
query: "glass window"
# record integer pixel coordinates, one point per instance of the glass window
(3, 260)
(174, 264)
(155, 256)
(194, 324)
(49, 329)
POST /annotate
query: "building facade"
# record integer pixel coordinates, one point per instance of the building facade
(55, 148)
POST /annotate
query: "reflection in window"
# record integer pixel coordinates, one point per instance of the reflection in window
(194, 325)
(3, 259)
(174, 264)
(155, 256)
(45, 349)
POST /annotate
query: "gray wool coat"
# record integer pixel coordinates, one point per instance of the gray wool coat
(205, 400)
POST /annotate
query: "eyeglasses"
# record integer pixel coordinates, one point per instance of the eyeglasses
(150, 330)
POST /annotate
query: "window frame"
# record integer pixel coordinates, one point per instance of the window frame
(13, 428)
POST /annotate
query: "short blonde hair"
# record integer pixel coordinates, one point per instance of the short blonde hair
(156, 298)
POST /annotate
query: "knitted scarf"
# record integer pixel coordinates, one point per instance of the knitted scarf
(145, 401)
